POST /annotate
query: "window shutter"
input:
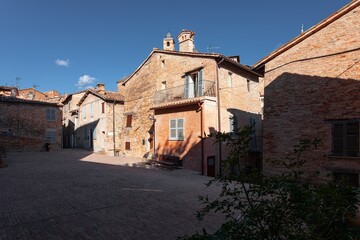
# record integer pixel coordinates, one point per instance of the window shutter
(352, 139)
(200, 82)
(338, 139)
(186, 89)
(128, 120)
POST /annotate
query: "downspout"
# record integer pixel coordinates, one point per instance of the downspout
(219, 111)
(114, 127)
(202, 136)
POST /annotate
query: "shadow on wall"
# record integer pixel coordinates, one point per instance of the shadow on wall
(68, 135)
(240, 119)
(186, 149)
(300, 106)
(86, 134)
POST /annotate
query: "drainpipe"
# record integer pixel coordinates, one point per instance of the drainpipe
(202, 136)
(114, 127)
(219, 111)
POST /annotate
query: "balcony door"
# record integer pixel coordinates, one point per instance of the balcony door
(193, 84)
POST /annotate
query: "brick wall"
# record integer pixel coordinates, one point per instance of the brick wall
(23, 126)
(307, 86)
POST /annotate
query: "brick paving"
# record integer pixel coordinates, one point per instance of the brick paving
(74, 194)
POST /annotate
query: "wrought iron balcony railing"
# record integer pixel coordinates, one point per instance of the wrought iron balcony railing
(187, 91)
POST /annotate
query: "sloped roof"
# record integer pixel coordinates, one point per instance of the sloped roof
(70, 95)
(104, 95)
(219, 57)
(341, 12)
(27, 101)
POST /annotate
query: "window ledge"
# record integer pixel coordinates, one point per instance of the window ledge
(343, 157)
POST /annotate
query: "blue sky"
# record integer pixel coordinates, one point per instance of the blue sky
(67, 45)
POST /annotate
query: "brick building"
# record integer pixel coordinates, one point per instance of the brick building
(26, 125)
(311, 89)
(90, 119)
(175, 97)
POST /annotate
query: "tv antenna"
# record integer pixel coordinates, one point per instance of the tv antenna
(35, 86)
(17, 80)
(209, 48)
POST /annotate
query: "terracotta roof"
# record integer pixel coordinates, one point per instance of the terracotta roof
(68, 96)
(103, 94)
(27, 101)
(341, 12)
(183, 102)
(221, 58)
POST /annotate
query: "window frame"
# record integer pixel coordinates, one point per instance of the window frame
(340, 146)
(129, 118)
(50, 114)
(127, 146)
(177, 128)
(50, 135)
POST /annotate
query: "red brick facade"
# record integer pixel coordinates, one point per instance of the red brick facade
(27, 125)
(311, 84)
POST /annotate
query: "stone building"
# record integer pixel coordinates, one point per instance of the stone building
(311, 89)
(175, 98)
(27, 125)
(92, 119)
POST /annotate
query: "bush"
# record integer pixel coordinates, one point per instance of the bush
(267, 206)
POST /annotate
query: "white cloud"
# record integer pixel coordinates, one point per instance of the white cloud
(62, 62)
(85, 81)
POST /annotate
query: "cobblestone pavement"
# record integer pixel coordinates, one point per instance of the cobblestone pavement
(72, 194)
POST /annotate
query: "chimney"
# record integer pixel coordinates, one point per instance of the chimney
(186, 41)
(100, 87)
(14, 92)
(168, 42)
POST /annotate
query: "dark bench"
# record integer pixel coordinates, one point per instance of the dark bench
(169, 161)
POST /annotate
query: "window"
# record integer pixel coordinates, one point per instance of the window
(163, 85)
(177, 129)
(127, 146)
(84, 112)
(50, 135)
(230, 81)
(194, 84)
(233, 123)
(351, 179)
(162, 63)
(50, 114)
(345, 138)
(102, 107)
(91, 109)
(128, 120)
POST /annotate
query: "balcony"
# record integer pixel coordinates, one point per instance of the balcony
(188, 91)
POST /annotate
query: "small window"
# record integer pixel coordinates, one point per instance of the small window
(127, 146)
(102, 107)
(176, 129)
(163, 85)
(168, 44)
(230, 80)
(162, 63)
(50, 136)
(233, 123)
(351, 179)
(84, 112)
(91, 109)
(50, 114)
(345, 139)
(128, 120)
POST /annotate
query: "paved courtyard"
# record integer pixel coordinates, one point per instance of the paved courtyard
(73, 194)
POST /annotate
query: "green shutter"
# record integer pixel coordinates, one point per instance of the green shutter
(186, 88)
(200, 83)
(338, 139)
